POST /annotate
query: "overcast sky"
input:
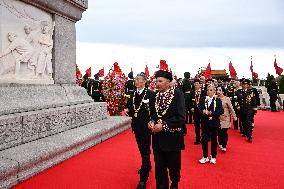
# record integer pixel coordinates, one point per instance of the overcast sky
(184, 23)
(161, 25)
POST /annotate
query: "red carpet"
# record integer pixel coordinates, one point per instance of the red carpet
(114, 163)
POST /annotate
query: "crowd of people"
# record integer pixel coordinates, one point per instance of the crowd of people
(210, 104)
(161, 118)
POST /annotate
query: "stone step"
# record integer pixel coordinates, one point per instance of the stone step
(24, 161)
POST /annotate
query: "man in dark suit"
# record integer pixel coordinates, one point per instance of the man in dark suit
(187, 87)
(211, 108)
(139, 108)
(197, 94)
(247, 107)
(166, 125)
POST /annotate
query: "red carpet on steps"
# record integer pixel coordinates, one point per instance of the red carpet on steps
(114, 163)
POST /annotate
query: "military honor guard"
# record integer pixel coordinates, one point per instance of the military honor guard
(96, 88)
(247, 108)
(129, 85)
(257, 100)
(86, 84)
(139, 108)
(211, 109)
(166, 126)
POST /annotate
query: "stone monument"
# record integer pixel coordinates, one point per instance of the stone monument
(45, 117)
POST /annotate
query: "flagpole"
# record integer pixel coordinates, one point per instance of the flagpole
(251, 69)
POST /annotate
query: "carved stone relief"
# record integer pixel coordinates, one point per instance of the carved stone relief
(26, 44)
(25, 127)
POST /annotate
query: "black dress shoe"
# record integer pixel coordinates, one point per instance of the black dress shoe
(139, 171)
(174, 187)
(196, 142)
(243, 135)
(250, 140)
(141, 185)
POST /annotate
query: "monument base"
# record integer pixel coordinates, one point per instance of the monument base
(24, 161)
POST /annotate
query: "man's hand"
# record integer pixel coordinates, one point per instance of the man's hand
(205, 112)
(151, 125)
(157, 128)
(192, 109)
(126, 111)
(209, 113)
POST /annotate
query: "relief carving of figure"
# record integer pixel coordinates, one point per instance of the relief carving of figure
(25, 52)
(44, 64)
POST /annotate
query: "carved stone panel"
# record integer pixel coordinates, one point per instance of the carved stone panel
(25, 43)
(10, 131)
(21, 128)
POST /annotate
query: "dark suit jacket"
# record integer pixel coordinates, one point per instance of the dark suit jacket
(174, 118)
(205, 119)
(257, 99)
(140, 123)
(193, 103)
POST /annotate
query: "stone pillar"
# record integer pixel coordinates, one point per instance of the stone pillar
(64, 51)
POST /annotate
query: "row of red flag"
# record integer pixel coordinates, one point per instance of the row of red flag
(233, 73)
(164, 66)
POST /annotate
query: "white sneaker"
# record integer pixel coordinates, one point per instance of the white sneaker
(220, 146)
(213, 160)
(204, 160)
(224, 149)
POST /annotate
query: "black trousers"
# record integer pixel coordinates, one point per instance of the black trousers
(197, 122)
(246, 119)
(206, 133)
(223, 137)
(187, 99)
(188, 116)
(144, 143)
(273, 100)
(237, 123)
(167, 162)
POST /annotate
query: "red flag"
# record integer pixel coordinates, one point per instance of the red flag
(277, 68)
(147, 71)
(164, 65)
(232, 70)
(116, 67)
(89, 72)
(101, 72)
(78, 72)
(207, 73)
(254, 74)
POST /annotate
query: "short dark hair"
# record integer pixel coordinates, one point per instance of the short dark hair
(223, 89)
